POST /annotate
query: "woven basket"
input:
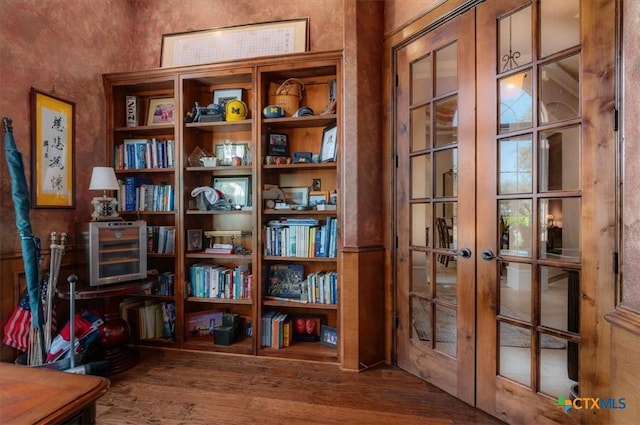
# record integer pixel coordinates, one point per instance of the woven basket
(287, 95)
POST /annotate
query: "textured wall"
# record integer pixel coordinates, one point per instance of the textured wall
(67, 45)
(398, 13)
(156, 18)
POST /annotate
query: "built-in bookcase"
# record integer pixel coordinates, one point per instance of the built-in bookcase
(228, 218)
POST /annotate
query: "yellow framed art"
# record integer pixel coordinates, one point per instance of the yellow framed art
(52, 138)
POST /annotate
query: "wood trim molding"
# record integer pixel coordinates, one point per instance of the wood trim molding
(625, 318)
(357, 249)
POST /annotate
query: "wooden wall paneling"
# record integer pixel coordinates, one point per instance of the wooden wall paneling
(13, 284)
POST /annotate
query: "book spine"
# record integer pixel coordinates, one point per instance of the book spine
(131, 103)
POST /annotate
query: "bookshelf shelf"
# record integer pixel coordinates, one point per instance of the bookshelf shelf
(313, 351)
(294, 304)
(301, 259)
(219, 300)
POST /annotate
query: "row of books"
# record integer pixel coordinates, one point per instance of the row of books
(277, 330)
(322, 287)
(215, 281)
(287, 282)
(165, 285)
(140, 154)
(161, 239)
(149, 319)
(301, 238)
(140, 194)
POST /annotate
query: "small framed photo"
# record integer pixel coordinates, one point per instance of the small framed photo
(328, 336)
(194, 240)
(329, 151)
(296, 195)
(278, 144)
(161, 111)
(236, 190)
(221, 97)
(226, 152)
(317, 197)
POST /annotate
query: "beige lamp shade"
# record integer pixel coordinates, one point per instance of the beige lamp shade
(103, 178)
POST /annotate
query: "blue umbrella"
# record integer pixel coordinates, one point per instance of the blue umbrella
(30, 243)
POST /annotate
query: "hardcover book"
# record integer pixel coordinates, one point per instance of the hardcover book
(286, 281)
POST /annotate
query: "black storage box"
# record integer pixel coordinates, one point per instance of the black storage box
(225, 335)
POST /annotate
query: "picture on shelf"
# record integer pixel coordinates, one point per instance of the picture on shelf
(278, 144)
(328, 336)
(161, 111)
(194, 240)
(296, 195)
(329, 151)
(286, 281)
(221, 97)
(228, 152)
(318, 197)
(236, 190)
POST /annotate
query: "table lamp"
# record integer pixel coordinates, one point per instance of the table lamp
(105, 207)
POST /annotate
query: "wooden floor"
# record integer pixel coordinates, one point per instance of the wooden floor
(171, 387)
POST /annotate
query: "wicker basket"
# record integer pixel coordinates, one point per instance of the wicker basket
(287, 95)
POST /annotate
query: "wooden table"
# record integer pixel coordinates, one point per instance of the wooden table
(31, 395)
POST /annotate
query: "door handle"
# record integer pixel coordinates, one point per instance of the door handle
(488, 255)
(464, 252)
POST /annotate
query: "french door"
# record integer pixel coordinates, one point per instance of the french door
(502, 121)
(436, 207)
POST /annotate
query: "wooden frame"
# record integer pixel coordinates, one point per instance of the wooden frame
(53, 139)
(194, 240)
(329, 148)
(161, 111)
(318, 197)
(231, 43)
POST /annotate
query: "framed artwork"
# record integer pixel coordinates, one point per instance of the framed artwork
(53, 139)
(237, 42)
(161, 111)
(194, 240)
(296, 195)
(328, 336)
(225, 152)
(329, 151)
(236, 190)
(221, 97)
(278, 144)
(317, 197)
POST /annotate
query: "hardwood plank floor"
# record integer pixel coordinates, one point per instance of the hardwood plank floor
(177, 387)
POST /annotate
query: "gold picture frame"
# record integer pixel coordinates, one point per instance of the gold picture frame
(162, 111)
(232, 43)
(53, 139)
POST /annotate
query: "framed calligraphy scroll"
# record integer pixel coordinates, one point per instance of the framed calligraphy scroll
(52, 137)
(231, 43)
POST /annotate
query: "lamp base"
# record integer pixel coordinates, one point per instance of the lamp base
(105, 209)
